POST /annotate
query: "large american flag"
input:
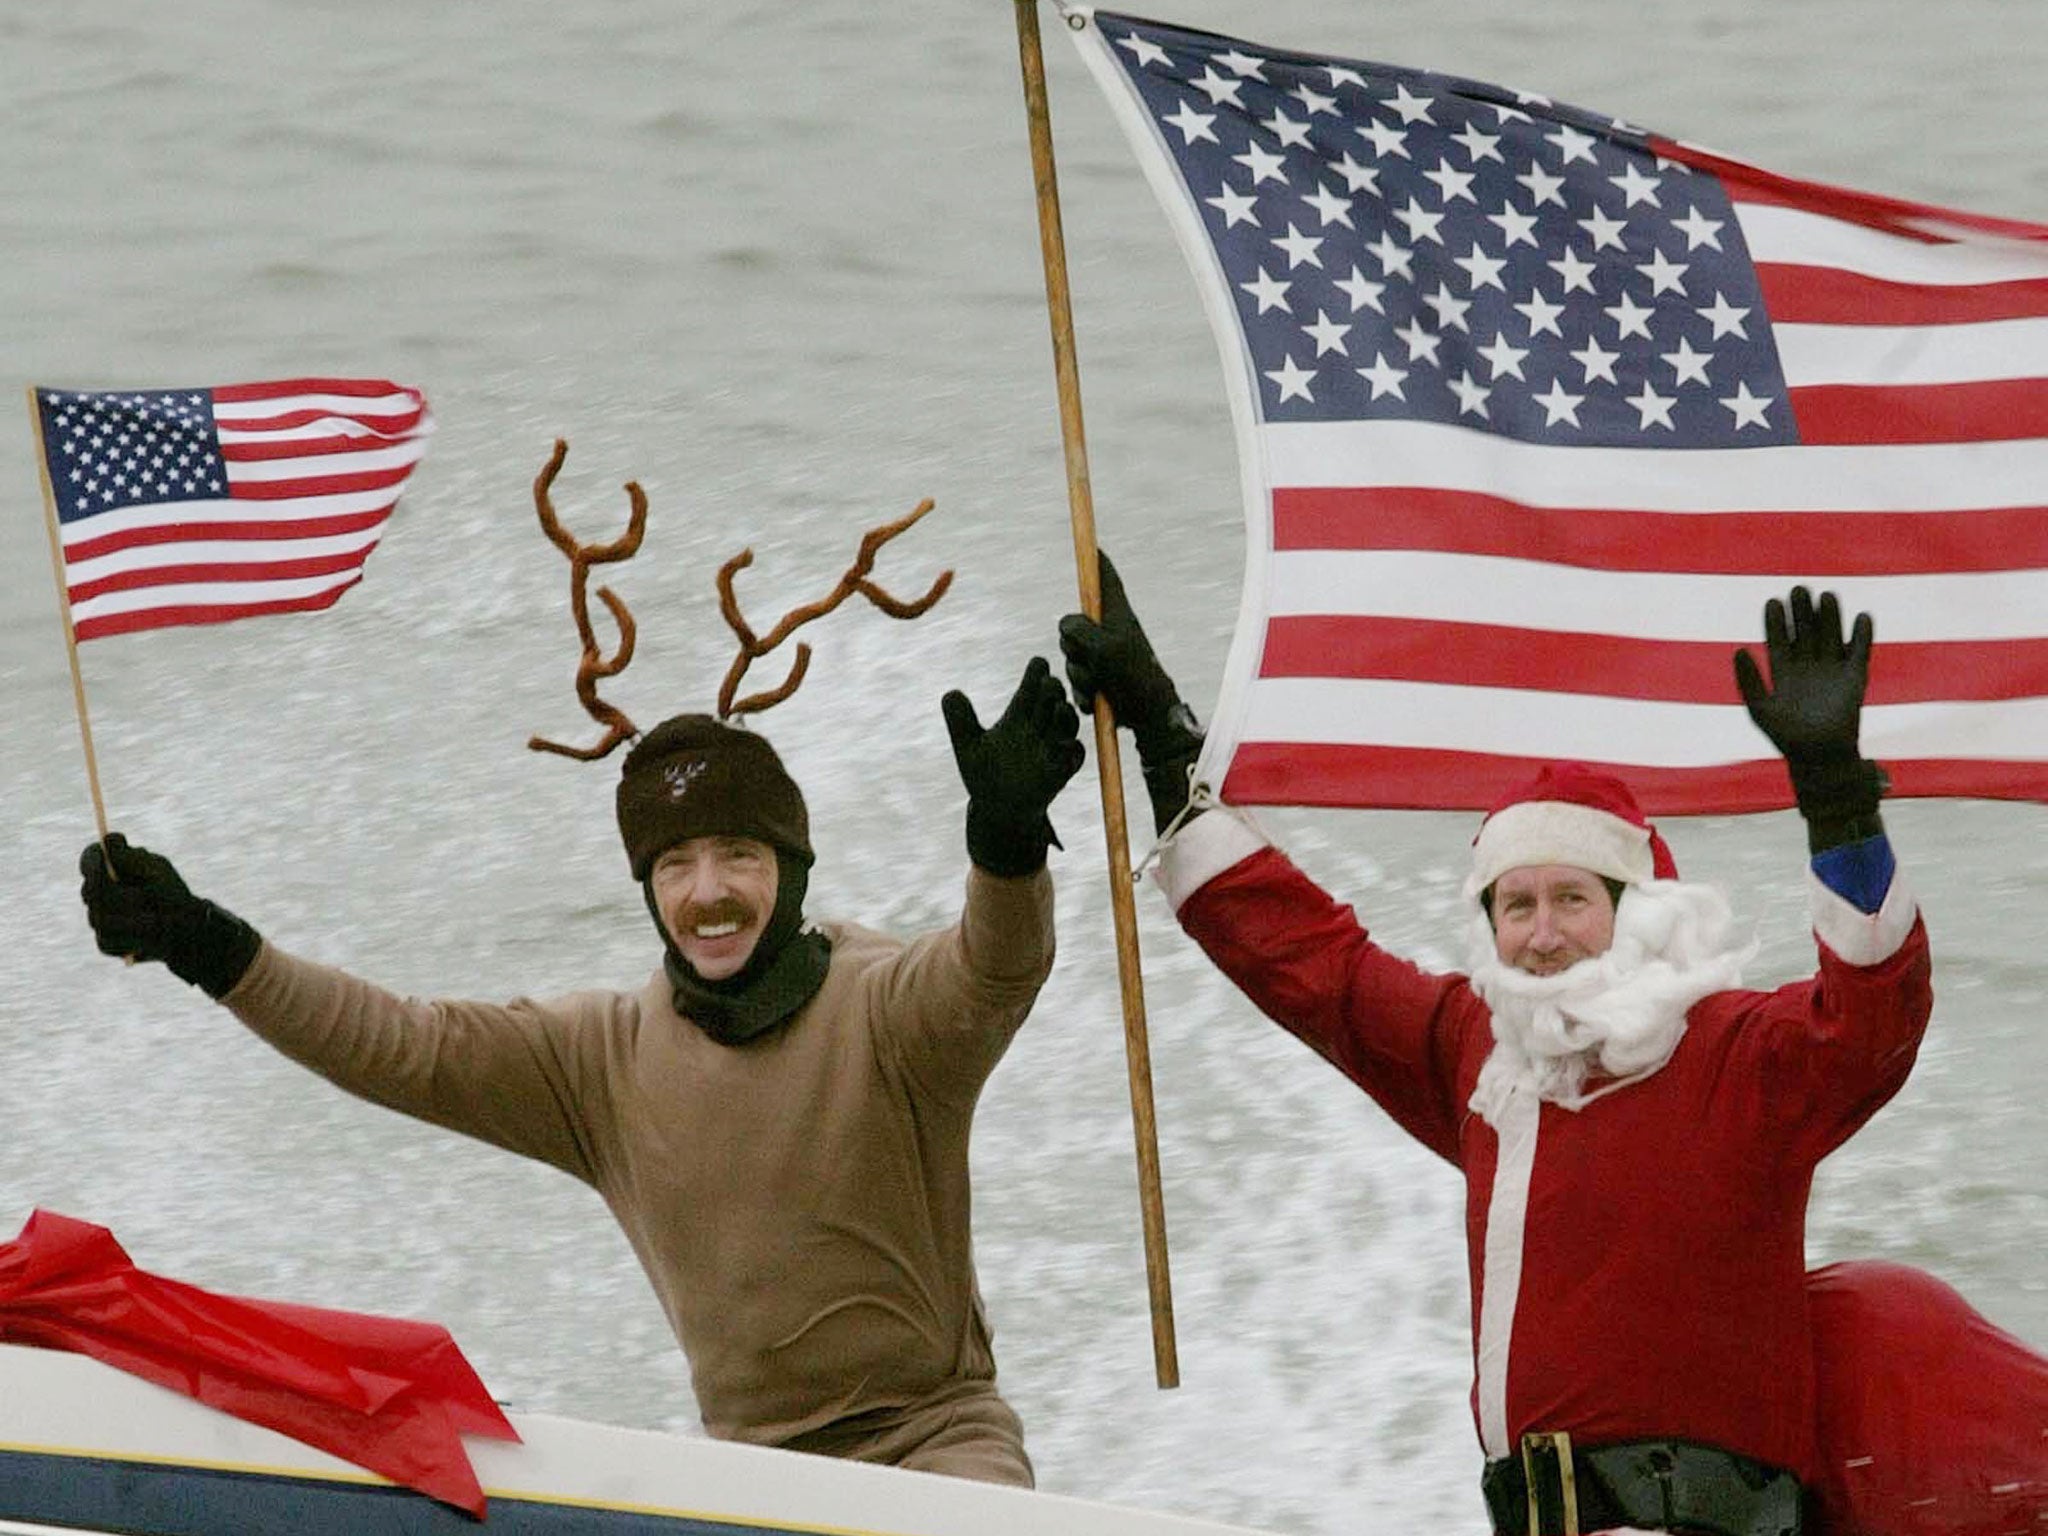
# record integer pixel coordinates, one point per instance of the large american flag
(1537, 409)
(191, 506)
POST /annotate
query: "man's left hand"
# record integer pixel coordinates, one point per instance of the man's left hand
(1811, 708)
(1014, 769)
(1812, 702)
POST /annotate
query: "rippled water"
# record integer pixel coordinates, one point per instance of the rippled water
(781, 266)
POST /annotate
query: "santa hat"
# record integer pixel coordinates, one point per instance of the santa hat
(1569, 814)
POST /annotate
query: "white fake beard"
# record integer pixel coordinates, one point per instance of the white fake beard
(1621, 1013)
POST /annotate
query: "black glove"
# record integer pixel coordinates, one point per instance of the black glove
(1810, 709)
(1013, 770)
(1112, 657)
(141, 908)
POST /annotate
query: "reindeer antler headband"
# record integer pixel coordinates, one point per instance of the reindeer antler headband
(593, 665)
(855, 580)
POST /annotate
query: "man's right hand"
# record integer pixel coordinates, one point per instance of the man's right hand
(1112, 657)
(139, 907)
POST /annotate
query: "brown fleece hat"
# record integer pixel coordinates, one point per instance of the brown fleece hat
(696, 776)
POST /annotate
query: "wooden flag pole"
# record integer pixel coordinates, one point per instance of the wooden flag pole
(1080, 501)
(92, 767)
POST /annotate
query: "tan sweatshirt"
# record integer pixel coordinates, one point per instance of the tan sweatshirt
(800, 1201)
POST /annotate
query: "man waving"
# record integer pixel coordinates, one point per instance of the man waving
(1637, 1132)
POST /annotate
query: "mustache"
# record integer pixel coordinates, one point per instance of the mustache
(727, 909)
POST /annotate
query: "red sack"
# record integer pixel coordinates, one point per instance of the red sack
(390, 1395)
(1932, 1421)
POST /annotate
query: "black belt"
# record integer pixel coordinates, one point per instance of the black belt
(1657, 1485)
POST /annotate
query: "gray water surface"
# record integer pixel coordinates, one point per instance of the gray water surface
(781, 266)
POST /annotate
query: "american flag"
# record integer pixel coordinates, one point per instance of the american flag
(192, 506)
(1535, 411)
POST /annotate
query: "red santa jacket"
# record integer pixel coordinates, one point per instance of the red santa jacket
(1637, 1266)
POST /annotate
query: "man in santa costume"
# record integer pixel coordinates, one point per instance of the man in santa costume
(1638, 1133)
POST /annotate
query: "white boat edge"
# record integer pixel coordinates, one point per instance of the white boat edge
(77, 1412)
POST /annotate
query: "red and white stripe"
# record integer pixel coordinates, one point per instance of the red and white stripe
(314, 468)
(1429, 611)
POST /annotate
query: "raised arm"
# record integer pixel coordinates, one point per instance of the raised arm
(1835, 1048)
(1811, 707)
(501, 1073)
(140, 907)
(947, 1004)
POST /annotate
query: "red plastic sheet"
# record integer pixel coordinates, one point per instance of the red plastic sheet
(390, 1395)
(1932, 1421)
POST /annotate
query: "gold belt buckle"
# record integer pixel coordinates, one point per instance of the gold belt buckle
(1559, 1444)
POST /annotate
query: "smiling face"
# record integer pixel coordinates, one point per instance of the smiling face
(715, 896)
(1547, 917)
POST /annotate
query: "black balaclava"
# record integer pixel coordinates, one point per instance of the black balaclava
(696, 776)
(785, 969)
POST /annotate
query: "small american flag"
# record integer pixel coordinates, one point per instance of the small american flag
(193, 506)
(1536, 409)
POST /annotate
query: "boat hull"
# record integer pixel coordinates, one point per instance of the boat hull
(84, 1447)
